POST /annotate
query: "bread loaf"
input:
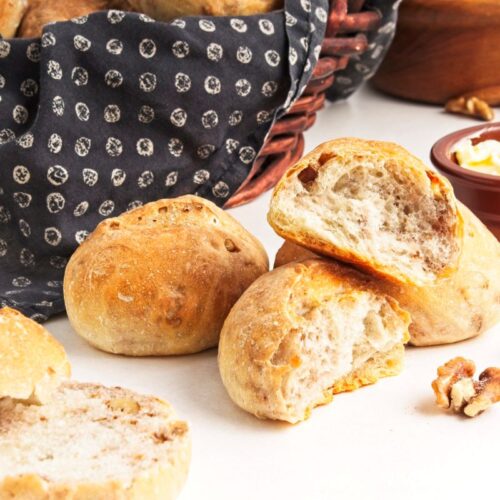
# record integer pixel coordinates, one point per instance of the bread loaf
(162, 278)
(372, 204)
(32, 362)
(92, 443)
(304, 332)
(456, 308)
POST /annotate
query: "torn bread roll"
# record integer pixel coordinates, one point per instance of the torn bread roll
(161, 279)
(304, 332)
(374, 205)
(456, 308)
(92, 443)
(32, 362)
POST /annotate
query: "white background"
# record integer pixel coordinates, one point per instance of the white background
(386, 441)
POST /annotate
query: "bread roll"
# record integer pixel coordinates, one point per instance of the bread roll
(42, 12)
(456, 308)
(291, 252)
(11, 13)
(372, 204)
(165, 10)
(161, 279)
(92, 443)
(304, 332)
(32, 362)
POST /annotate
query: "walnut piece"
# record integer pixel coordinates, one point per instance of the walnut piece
(470, 106)
(487, 392)
(448, 375)
(454, 387)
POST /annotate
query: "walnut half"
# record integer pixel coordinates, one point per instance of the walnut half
(448, 375)
(454, 387)
(470, 106)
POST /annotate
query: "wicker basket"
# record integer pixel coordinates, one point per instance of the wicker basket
(285, 144)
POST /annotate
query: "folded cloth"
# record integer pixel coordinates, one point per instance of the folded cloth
(112, 110)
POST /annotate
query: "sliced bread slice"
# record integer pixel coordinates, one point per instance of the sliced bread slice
(91, 443)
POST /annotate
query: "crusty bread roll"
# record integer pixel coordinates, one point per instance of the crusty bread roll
(304, 332)
(162, 278)
(372, 204)
(165, 10)
(456, 308)
(32, 362)
(11, 13)
(291, 252)
(92, 443)
(42, 12)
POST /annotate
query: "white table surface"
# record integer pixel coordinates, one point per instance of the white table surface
(386, 441)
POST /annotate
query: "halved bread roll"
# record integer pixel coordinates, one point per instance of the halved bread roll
(92, 443)
(32, 362)
(372, 204)
(304, 332)
(456, 308)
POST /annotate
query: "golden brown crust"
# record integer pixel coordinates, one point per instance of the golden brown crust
(166, 10)
(41, 12)
(160, 484)
(11, 13)
(456, 308)
(291, 252)
(32, 362)
(161, 279)
(259, 349)
(362, 151)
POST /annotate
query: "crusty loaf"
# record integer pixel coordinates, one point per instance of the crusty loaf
(11, 13)
(92, 443)
(372, 204)
(456, 308)
(32, 362)
(305, 331)
(166, 10)
(162, 278)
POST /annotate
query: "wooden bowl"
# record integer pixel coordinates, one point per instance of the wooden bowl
(443, 49)
(480, 192)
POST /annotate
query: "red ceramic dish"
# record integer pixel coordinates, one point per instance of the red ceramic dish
(480, 192)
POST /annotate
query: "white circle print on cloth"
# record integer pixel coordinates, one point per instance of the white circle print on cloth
(112, 110)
